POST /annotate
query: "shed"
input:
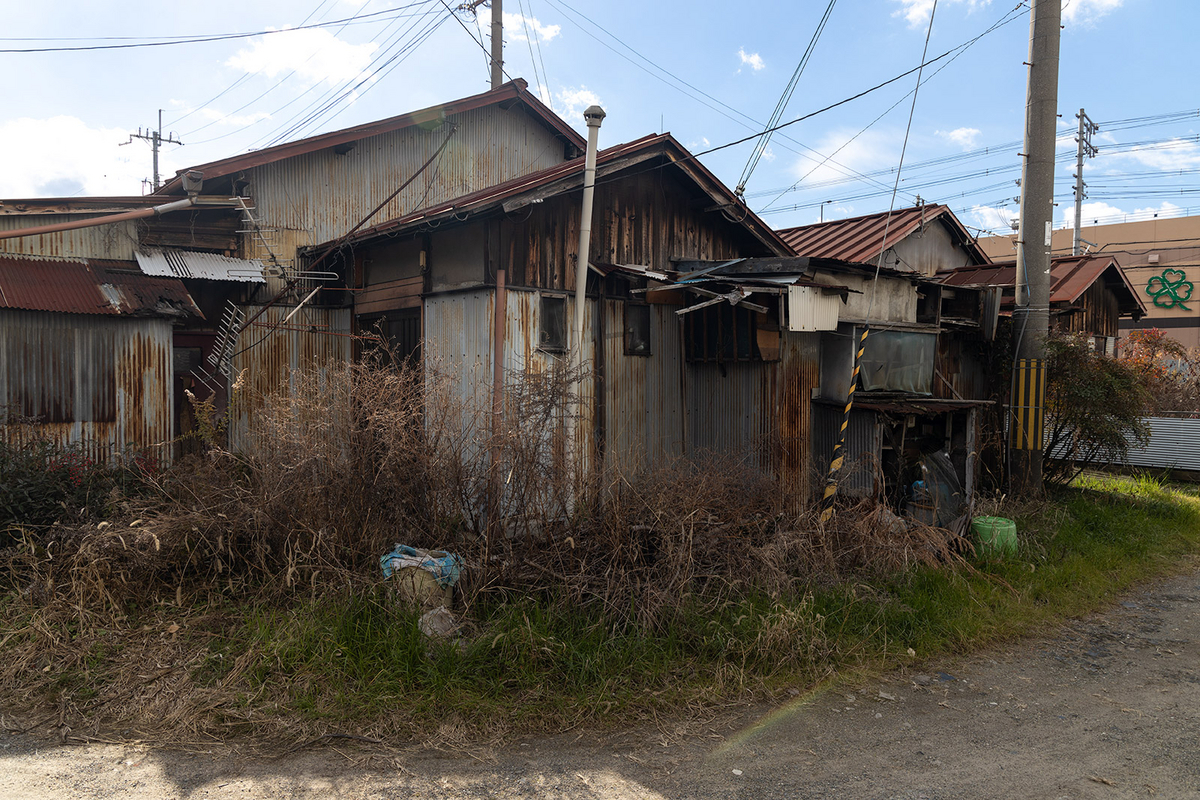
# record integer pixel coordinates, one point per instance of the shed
(87, 353)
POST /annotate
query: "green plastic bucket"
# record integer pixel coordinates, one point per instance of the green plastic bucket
(997, 536)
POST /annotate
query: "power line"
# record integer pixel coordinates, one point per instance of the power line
(757, 153)
(177, 40)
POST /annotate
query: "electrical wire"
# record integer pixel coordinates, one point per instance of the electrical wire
(177, 40)
(757, 153)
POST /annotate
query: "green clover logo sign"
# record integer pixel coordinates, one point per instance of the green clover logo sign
(1170, 290)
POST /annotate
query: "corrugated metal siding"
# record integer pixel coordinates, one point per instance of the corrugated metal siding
(116, 241)
(1173, 445)
(799, 367)
(315, 337)
(857, 477)
(644, 412)
(319, 196)
(100, 383)
(731, 410)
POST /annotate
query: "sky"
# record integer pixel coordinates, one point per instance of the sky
(711, 73)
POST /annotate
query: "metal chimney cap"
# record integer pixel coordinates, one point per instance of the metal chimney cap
(594, 115)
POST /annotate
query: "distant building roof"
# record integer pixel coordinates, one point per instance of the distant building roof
(861, 239)
(511, 92)
(90, 286)
(1070, 277)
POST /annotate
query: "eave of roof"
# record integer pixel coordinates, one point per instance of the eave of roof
(1070, 277)
(515, 90)
(90, 286)
(861, 239)
(568, 176)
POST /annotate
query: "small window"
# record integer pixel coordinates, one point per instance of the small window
(725, 333)
(553, 334)
(637, 329)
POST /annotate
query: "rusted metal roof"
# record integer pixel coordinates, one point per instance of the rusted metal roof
(568, 176)
(1070, 277)
(206, 266)
(90, 286)
(861, 239)
(515, 91)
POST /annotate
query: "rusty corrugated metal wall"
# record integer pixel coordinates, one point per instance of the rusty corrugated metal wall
(760, 411)
(315, 337)
(101, 383)
(319, 196)
(643, 410)
(117, 241)
(859, 475)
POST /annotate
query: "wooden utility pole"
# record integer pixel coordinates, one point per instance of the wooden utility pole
(1031, 317)
(156, 140)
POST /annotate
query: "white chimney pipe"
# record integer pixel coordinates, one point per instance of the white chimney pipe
(593, 116)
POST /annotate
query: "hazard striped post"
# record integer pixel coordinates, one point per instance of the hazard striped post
(839, 449)
(1028, 404)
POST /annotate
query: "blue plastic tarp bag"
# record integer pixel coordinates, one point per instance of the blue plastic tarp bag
(445, 567)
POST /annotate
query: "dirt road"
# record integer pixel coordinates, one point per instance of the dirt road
(1108, 707)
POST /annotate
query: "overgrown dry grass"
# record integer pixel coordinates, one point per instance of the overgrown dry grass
(245, 596)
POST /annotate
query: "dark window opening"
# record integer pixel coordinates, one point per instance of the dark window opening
(552, 335)
(723, 333)
(637, 329)
(400, 330)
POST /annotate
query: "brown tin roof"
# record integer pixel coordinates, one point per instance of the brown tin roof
(1070, 277)
(861, 239)
(90, 286)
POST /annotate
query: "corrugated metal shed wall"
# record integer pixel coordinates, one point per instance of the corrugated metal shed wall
(117, 241)
(1173, 445)
(458, 354)
(102, 383)
(320, 196)
(759, 411)
(314, 337)
(644, 411)
(857, 477)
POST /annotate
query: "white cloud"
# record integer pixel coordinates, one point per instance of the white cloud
(752, 60)
(573, 102)
(966, 138)
(314, 54)
(916, 12)
(996, 220)
(1087, 10)
(870, 150)
(1105, 214)
(1169, 156)
(515, 26)
(238, 120)
(64, 157)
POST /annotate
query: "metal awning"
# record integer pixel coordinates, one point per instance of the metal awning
(203, 266)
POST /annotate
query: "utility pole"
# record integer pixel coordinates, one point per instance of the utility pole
(1031, 317)
(497, 43)
(1084, 142)
(155, 138)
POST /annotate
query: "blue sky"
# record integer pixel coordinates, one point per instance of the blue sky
(709, 72)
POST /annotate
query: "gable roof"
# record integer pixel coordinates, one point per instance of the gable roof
(513, 92)
(1070, 277)
(90, 286)
(861, 239)
(568, 176)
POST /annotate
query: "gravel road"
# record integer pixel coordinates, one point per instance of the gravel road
(1107, 707)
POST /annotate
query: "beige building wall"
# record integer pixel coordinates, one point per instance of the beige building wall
(1161, 258)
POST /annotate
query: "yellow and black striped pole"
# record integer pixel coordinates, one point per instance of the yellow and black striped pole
(839, 449)
(1028, 403)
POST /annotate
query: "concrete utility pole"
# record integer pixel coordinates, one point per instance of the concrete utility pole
(1084, 141)
(1031, 317)
(155, 138)
(497, 43)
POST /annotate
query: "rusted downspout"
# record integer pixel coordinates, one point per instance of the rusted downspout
(93, 222)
